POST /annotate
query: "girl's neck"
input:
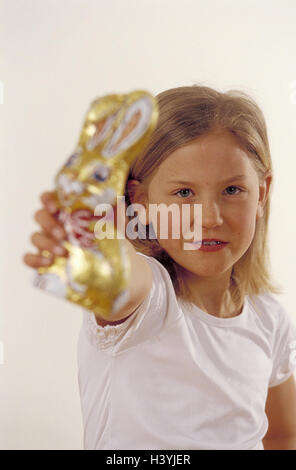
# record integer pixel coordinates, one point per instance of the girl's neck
(213, 296)
(224, 309)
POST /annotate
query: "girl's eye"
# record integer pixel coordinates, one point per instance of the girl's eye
(234, 193)
(185, 189)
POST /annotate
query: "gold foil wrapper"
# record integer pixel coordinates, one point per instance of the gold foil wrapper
(96, 272)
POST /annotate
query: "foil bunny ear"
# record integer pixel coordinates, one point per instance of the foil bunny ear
(116, 129)
(96, 273)
(115, 123)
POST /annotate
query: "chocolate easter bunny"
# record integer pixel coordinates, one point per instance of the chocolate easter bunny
(95, 274)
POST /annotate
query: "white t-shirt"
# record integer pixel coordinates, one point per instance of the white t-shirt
(171, 377)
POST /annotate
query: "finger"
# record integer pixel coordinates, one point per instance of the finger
(44, 242)
(48, 199)
(37, 261)
(50, 225)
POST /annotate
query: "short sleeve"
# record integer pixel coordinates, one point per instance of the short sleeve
(146, 321)
(284, 349)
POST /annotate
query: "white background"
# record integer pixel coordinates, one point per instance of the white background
(56, 56)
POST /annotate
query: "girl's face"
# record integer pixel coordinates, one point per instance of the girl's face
(220, 176)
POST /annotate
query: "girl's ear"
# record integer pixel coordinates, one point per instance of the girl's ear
(137, 195)
(264, 190)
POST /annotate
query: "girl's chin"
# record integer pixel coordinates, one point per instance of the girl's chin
(205, 269)
(206, 274)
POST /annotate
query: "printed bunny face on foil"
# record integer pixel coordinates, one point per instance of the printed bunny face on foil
(96, 272)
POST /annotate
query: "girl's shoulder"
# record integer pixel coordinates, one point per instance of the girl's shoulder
(272, 311)
(159, 272)
(267, 302)
(280, 326)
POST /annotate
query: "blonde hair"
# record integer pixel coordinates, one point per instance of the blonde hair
(186, 113)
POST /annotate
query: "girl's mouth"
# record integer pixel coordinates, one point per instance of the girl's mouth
(208, 246)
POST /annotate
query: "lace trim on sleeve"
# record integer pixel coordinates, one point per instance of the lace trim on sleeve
(104, 337)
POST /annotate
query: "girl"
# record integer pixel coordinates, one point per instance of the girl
(203, 355)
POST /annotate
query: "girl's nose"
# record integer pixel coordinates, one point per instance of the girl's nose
(211, 214)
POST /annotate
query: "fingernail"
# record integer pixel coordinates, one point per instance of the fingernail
(58, 233)
(59, 250)
(52, 207)
(46, 261)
